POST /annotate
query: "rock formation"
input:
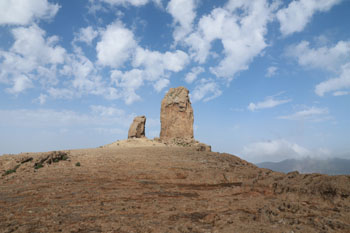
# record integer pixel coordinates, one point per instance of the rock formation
(137, 128)
(176, 118)
(176, 115)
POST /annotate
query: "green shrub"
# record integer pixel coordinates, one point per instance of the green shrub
(77, 164)
(38, 165)
(64, 156)
(13, 170)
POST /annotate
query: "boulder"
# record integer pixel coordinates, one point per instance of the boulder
(137, 128)
(202, 147)
(176, 115)
(185, 142)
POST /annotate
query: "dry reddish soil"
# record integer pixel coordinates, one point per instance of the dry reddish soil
(164, 189)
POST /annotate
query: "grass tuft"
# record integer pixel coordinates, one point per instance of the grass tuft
(10, 171)
(38, 165)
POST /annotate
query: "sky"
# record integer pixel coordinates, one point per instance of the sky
(268, 79)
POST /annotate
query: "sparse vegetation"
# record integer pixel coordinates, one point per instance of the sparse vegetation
(53, 157)
(13, 170)
(26, 160)
(38, 165)
(77, 164)
(56, 156)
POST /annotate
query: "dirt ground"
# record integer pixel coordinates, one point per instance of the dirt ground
(157, 188)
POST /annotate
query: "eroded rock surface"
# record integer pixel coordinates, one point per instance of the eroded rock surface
(176, 115)
(184, 142)
(137, 128)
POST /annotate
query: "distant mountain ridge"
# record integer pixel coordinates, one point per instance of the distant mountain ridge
(334, 166)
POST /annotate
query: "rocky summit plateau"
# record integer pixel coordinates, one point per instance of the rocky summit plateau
(169, 184)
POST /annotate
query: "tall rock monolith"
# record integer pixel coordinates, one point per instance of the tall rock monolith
(176, 115)
(137, 128)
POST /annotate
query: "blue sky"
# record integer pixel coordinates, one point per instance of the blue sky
(269, 79)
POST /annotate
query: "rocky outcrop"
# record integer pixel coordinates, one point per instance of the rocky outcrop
(176, 115)
(137, 128)
(185, 142)
(176, 118)
(202, 147)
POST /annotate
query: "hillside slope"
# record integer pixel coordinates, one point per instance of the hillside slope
(164, 189)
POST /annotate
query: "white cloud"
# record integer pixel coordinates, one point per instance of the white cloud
(335, 84)
(130, 79)
(149, 66)
(240, 26)
(34, 58)
(107, 111)
(116, 45)
(70, 92)
(183, 13)
(82, 78)
(129, 82)
(241, 29)
(42, 118)
(100, 5)
(24, 12)
(86, 35)
(31, 43)
(21, 83)
(83, 73)
(61, 93)
(341, 93)
(310, 113)
(278, 150)
(195, 71)
(271, 71)
(297, 15)
(335, 59)
(32, 55)
(205, 90)
(199, 47)
(52, 129)
(161, 84)
(41, 99)
(156, 63)
(269, 102)
(330, 58)
(136, 3)
(126, 2)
